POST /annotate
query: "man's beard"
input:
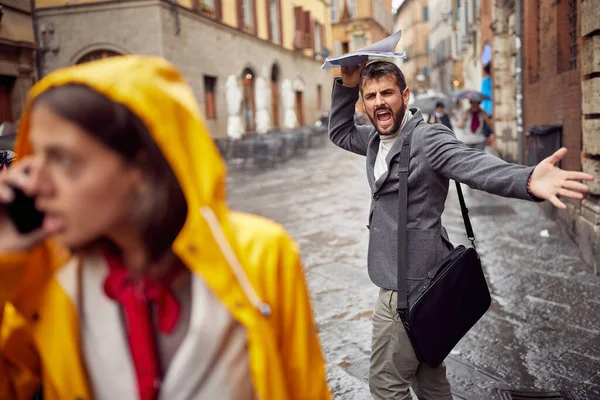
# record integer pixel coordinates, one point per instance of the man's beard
(398, 117)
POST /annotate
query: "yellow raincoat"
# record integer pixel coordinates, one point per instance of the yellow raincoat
(250, 263)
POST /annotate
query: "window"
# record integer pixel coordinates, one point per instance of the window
(210, 85)
(275, 21)
(566, 35)
(249, 14)
(426, 71)
(352, 8)
(533, 31)
(358, 42)
(318, 39)
(425, 13)
(337, 49)
(246, 15)
(334, 11)
(427, 46)
(207, 4)
(304, 29)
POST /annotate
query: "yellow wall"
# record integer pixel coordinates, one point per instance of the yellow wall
(229, 10)
(16, 26)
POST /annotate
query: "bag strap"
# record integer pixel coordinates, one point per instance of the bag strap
(402, 306)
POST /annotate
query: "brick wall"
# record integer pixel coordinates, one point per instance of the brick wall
(556, 97)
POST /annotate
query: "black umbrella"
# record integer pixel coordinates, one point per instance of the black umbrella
(427, 102)
(472, 95)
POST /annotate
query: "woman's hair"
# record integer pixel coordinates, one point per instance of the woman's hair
(116, 127)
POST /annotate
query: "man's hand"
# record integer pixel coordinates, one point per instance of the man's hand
(548, 181)
(351, 75)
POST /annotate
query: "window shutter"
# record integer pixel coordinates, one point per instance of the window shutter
(299, 24)
(240, 14)
(308, 28)
(218, 9)
(269, 22)
(280, 22)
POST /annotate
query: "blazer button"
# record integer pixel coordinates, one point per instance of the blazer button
(375, 197)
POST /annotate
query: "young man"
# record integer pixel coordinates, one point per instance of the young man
(436, 156)
(141, 283)
(440, 116)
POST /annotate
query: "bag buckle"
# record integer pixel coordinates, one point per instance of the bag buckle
(402, 313)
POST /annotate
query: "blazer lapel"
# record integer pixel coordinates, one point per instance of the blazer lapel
(371, 157)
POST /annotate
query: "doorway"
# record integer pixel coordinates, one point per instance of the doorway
(6, 86)
(248, 103)
(275, 95)
(299, 108)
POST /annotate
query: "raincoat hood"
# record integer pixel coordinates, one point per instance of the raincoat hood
(156, 93)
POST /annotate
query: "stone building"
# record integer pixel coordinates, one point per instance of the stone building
(262, 51)
(413, 18)
(504, 75)
(17, 61)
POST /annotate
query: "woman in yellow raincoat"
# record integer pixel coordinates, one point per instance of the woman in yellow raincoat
(140, 283)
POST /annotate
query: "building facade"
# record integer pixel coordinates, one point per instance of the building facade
(17, 60)
(358, 23)
(442, 20)
(266, 52)
(412, 17)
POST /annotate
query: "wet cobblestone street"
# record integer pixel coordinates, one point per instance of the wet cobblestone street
(541, 332)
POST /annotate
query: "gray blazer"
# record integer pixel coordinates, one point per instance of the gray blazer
(436, 156)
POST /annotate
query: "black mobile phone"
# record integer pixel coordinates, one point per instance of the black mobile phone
(22, 212)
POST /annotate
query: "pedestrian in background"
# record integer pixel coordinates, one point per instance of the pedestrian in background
(473, 123)
(141, 283)
(436, 156)
(440, 116)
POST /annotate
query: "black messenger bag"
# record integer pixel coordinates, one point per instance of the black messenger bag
(453, 296)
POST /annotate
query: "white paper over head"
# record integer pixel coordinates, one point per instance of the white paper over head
(382, 49)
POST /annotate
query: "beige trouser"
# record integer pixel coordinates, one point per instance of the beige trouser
(394, 365)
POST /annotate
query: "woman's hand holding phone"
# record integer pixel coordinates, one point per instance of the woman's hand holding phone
(21, 226)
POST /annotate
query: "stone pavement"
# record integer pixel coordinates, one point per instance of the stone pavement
(541, 332)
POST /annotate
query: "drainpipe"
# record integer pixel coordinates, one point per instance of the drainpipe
(39, 64)
(519, 71)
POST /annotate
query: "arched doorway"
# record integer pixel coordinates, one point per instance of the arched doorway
(97, 55)
(299, 89)
(275, 76)
(248, 103)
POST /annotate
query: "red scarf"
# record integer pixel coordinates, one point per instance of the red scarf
(475, 122)
(135, 299)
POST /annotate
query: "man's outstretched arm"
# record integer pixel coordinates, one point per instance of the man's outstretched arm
(479, 170)
(342, 130)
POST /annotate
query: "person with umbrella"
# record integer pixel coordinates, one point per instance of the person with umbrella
(473, 121)
(440, 116)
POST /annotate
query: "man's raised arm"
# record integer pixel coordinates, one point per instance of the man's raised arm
(342, 130)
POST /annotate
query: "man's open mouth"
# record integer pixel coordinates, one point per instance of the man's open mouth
(383, 116)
